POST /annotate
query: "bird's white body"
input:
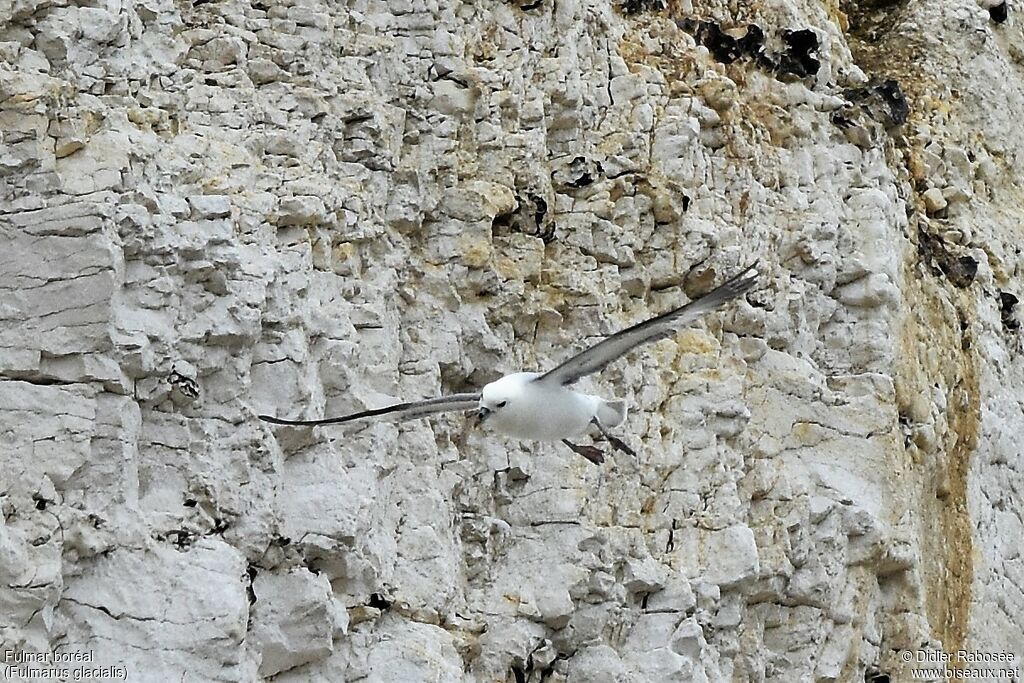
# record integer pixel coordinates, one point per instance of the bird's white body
(521, 407)
(541, 406)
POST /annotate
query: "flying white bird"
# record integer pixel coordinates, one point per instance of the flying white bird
(541, 406)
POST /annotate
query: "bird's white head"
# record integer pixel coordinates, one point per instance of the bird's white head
(502, 395)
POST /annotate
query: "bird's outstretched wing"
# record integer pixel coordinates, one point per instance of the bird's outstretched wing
(600, 355)
(400, 412)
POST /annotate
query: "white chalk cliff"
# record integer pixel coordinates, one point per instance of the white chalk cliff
(218, 208)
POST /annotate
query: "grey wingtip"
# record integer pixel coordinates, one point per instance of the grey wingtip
(280, 421)
(736, 286)
(748, 272)
(744, 280)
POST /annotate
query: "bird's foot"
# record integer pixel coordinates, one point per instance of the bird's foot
(619, 445)
(591, 453)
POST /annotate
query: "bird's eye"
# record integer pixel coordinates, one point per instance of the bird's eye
(502, 404)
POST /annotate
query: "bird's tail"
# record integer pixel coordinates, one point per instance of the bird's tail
(611, 413)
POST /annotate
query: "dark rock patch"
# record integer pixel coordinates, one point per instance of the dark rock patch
(530, 217)
(1007, 302)
(884, 101)
(999, 13)
(799, 59)
(959, 270)
(630, 7)
(578, 173)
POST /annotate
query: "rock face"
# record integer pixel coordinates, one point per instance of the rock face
(217, 209)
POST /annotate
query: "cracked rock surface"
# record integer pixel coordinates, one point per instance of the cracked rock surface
(213, 210)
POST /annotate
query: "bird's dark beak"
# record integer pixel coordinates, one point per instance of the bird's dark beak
(481, 415)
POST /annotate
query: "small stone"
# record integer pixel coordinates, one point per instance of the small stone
(955, 193)
(480, 200)
(643, 576)
(301, 210)
(555, 606)
(870, 292)
(263, 71)
(294, 620)
(174, 205)
(934, 201)
(362, 613)
(688, 639)
(731, 555)
(65, 147)
(210, 206)
(676, 596)
(719, 94)
(453, 99)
